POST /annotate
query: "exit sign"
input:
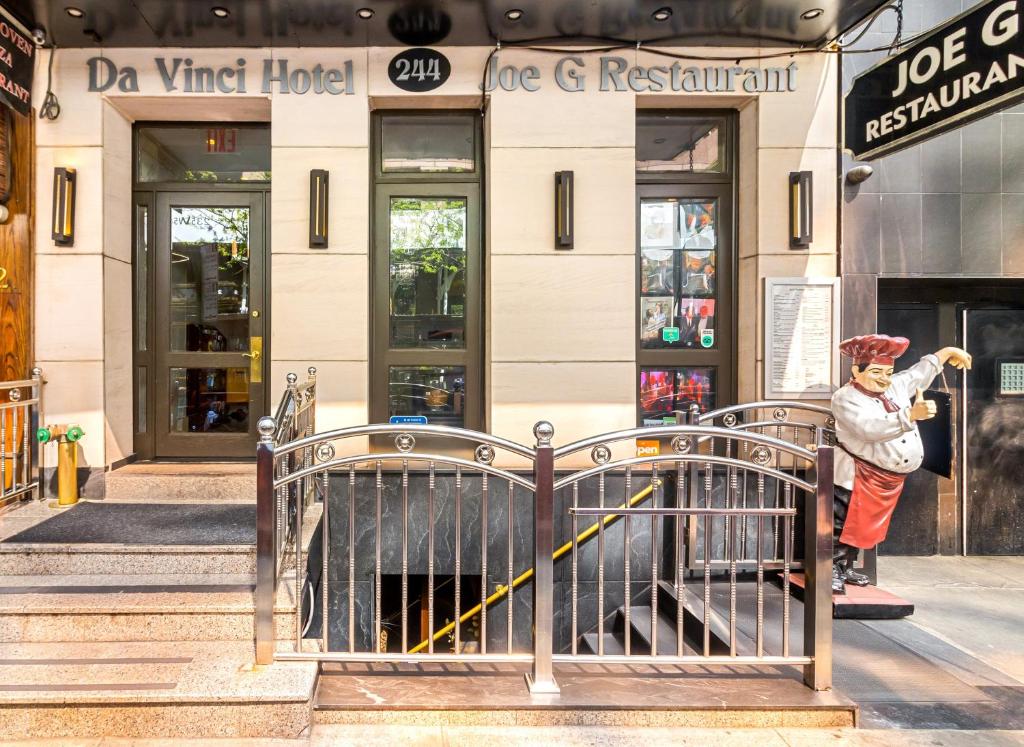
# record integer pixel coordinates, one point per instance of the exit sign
(221, 139)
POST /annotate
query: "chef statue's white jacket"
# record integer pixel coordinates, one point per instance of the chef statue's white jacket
(889, 440)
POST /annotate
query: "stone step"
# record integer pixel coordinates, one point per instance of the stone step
(588, 644)
(89, 559)
(84, 558)
(495, 695)
(183, 482)
(136, 608)
(173, 689)
(640, 631)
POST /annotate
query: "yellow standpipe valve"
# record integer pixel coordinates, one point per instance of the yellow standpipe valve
(67, 438)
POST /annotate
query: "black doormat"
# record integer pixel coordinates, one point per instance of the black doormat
(147, 524)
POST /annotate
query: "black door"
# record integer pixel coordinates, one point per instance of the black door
(915, 523)
(209, 323)
(994, 478)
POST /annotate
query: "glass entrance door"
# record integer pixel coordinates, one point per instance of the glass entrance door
(210, 323)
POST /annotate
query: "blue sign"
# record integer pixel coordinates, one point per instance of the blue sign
(408, 420)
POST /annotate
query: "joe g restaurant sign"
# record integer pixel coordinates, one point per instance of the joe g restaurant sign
(971, 66)
(422, 69)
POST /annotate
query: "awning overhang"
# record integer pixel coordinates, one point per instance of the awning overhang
(336, 23)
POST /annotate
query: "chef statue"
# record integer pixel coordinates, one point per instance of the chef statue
(878, 442)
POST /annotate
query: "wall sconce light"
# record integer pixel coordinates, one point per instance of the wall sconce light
(563, 210)
(318, 208)
(801, 209)
(63, 218)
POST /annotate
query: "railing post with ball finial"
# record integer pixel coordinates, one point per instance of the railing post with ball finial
(266, 542)
(541, 680)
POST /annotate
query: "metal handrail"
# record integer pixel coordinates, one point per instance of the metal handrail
(22, 416)
(376, 429)
(684, 459)
(396, 456)
(664, 431)
(764, 405)
(285, 467)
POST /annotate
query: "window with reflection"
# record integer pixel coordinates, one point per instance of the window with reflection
(214, 154)
(434, 143)
(435, 392)
(209, 309)
(428, 272)
(673, 143)
(426, 358)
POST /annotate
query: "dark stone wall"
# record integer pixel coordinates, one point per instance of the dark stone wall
(950, 207)
(640, 532)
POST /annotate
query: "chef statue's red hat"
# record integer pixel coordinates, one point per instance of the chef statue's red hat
(868, 349)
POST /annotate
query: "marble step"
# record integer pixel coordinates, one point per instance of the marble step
(60, 559)
(79, 559)
(183, 482)
(640, 631)
(141, 608)
(693, 614)
(588, 644)
(174, 689)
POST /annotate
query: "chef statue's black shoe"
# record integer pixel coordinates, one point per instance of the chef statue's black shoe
(851, 576)
(838, 582)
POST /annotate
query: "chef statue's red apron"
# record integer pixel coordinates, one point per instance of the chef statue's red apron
(879, 444)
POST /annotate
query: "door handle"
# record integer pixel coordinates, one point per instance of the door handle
(255, 357)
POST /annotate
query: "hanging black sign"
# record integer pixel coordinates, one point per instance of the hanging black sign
(17, 61)
(419, 70)
(971, 66)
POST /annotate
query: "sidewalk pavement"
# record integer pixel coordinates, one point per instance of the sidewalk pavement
(950, 675)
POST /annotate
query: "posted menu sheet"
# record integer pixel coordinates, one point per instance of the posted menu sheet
(801, 322)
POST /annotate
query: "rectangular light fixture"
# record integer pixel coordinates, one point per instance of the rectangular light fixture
(563, 210)
(63, 217)
(801, 209)
(318, 179)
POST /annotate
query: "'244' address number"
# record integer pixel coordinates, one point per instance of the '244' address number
(419, 70)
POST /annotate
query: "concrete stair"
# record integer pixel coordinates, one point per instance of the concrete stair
(60, 560)
(195, 607)
(173, 689)
(178, 482)
(135, 640)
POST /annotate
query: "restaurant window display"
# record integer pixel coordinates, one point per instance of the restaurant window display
(426, 269)
(663, 391)
(684, 256)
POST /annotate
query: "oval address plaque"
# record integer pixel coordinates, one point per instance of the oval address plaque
(419, 70)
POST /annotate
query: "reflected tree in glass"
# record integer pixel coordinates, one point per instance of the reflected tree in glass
(209, 279)
(428, 266)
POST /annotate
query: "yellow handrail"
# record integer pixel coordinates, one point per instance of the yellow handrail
(523, 577)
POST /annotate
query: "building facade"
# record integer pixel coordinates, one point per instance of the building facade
(932, 250)
(680, 209)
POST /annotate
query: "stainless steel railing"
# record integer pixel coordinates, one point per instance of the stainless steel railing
(294, 419)
(799, 423)
(392, 517)
(704, 622)
(495, 494)
(21, 465)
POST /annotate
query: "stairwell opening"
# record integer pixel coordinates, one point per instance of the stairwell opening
(418, 620)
